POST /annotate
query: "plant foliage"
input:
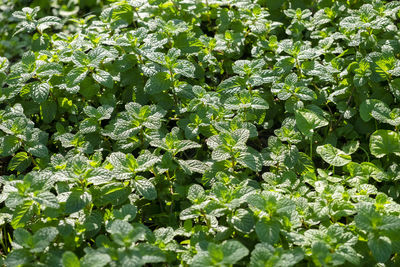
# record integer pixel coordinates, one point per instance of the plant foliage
(199, 133)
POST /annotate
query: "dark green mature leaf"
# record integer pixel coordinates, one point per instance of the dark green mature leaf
(233, 251)
(158, 83)
(95, 259)
(48, 111)
(146, 189)
(47, 199)
(18, 257)
(308, 121)
(268, 231)
(266, 255)
(185, 68)
(243, 221)
(23, 237)
(381, 248)
(104, 78)
(42, 238)
(76, 201)
(49, 69)
(127, 212)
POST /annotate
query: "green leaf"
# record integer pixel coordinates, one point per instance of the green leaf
(185, 145)
(243, 221)
(23, 238)
(333, 155)
(88, 125)
(75, 76)
(266, 255)
(127, 212)
(28, 58)
(150, 254)
(19, 162)
(119, 227)
(37, 150)
(76, 201)
(146, 189)
(22, 214)
(48, 111)
(384, 142)
(69, 259)
(220, 154)
(381, 248)
(351, 147)
(18, 257)
(47, 199)
(97, 55)
(251, 160)
(104, 78)
(47, 22)
(305, 93)
(231, 85)
(307, 121)
(381, 112)
(366, 108)
(42, 238)
(164, 235)
(158, 83)
(185, 68)
(196, 193)
(9, 145)
(95, 259)
(233, 251)
(320, 252)
(394, 86)
(190, 166)
(49, 69)
(268, 231)
(114, 193)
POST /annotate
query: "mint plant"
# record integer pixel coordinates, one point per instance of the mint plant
(199, 133)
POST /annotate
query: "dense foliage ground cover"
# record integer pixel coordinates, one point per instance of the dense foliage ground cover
(201, 133)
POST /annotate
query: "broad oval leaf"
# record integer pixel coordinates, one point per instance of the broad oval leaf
(384, 142)
(146, 189)
(307, 121)
(333, 155)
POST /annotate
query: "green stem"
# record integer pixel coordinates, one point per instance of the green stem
(173, 87)
(141, 136)
(311, 146)
(366, 153)
(33, 160)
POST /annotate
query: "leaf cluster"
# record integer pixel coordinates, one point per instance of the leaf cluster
(200, 133)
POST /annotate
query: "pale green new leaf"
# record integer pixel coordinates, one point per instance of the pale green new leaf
(69, 259)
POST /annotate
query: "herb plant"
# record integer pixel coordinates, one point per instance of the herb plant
(199, 133)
